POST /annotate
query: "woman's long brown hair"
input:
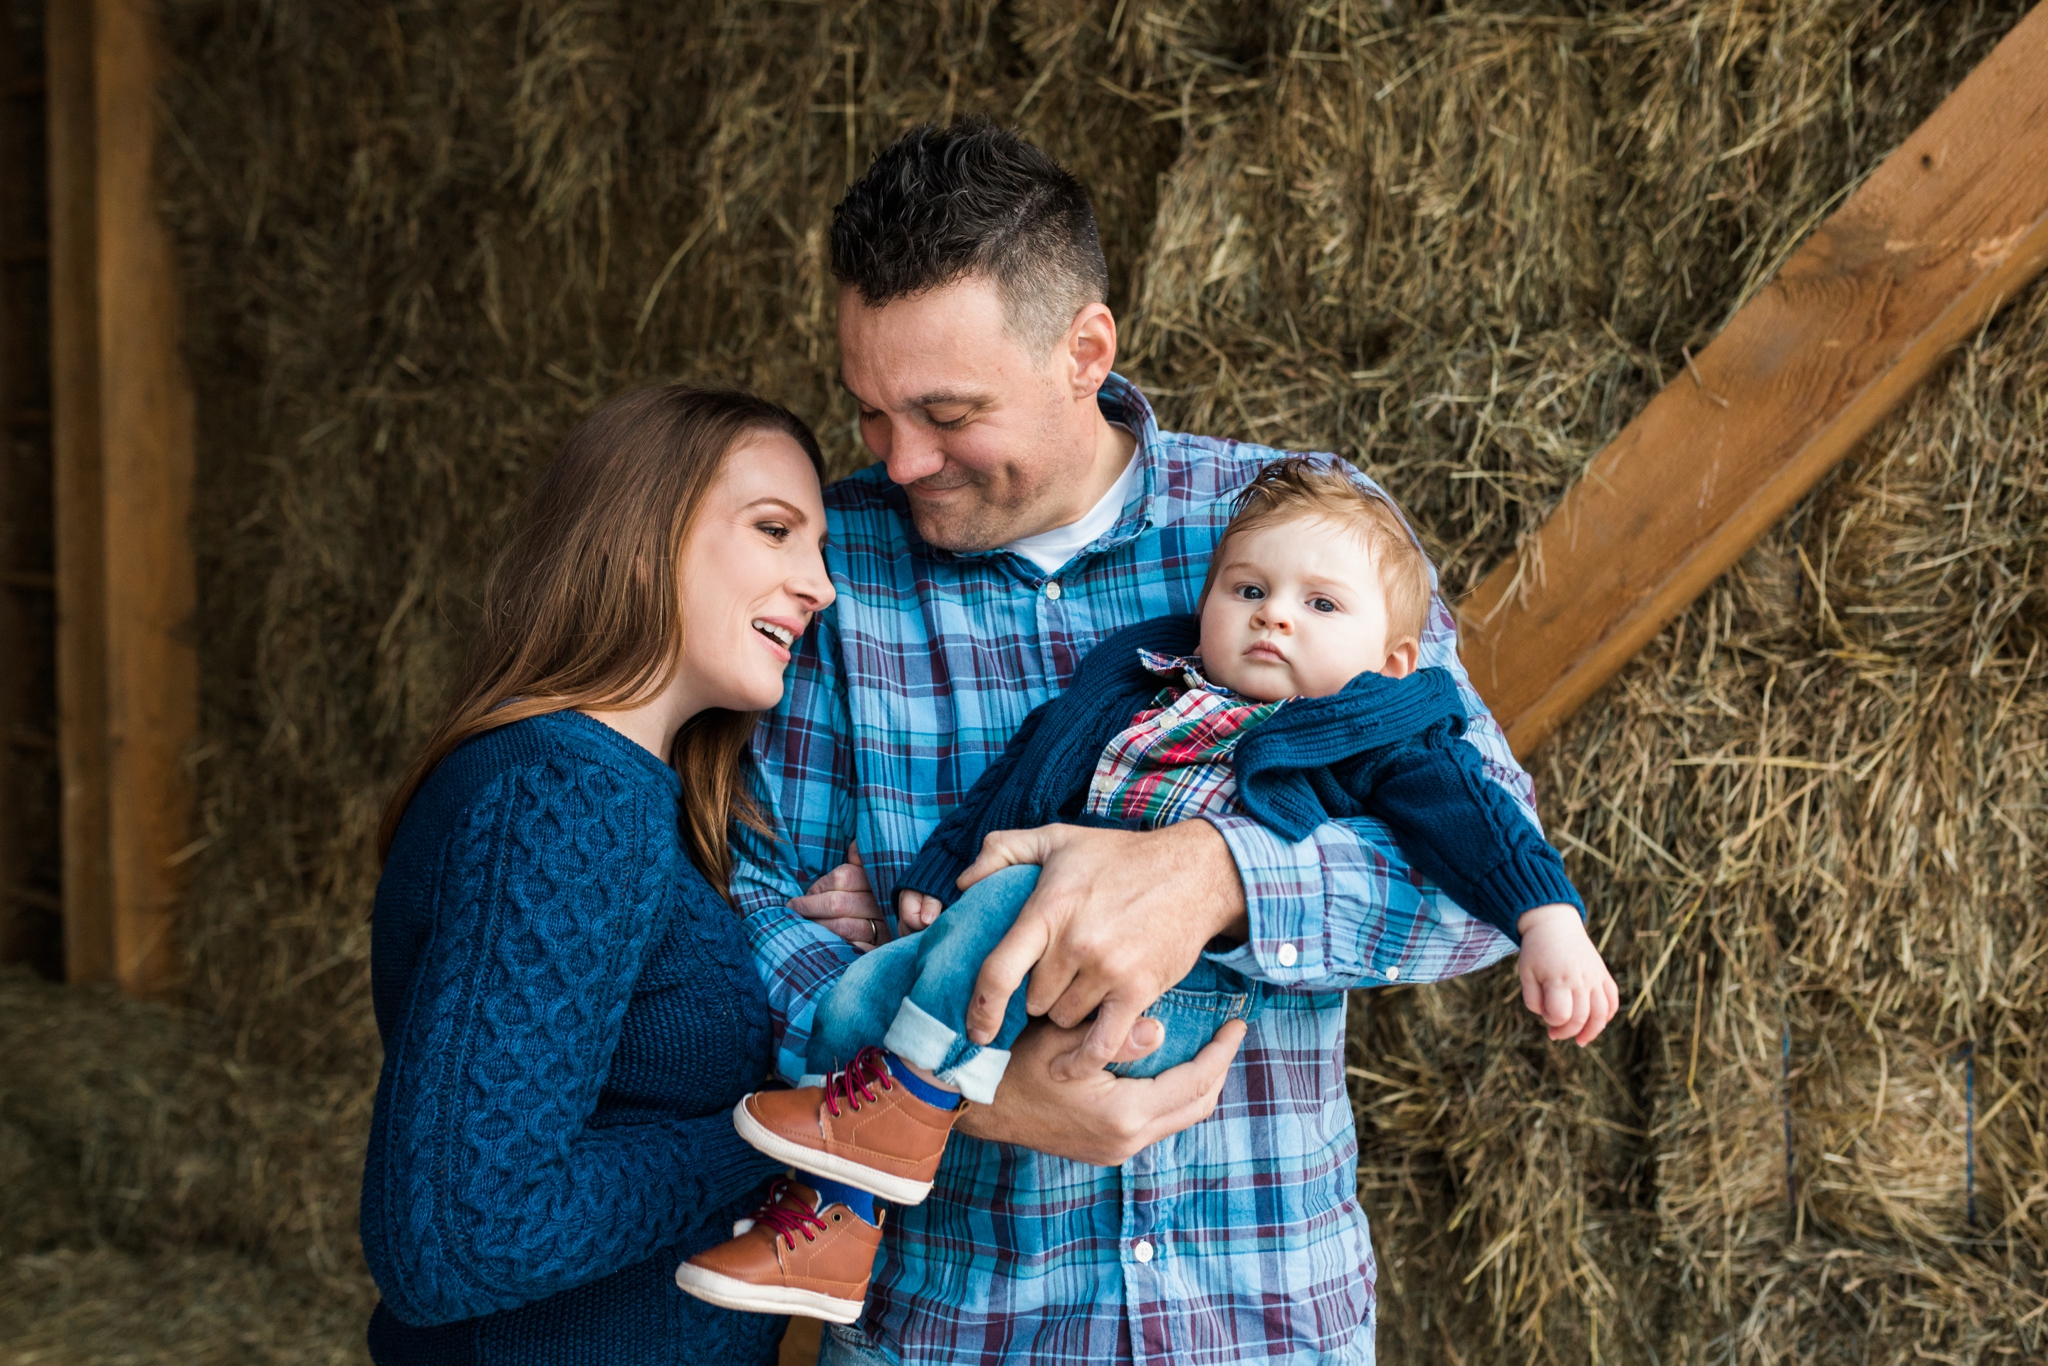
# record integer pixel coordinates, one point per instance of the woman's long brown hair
(582, 608)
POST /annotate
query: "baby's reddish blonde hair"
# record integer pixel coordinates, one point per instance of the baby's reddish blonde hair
(1300, 487)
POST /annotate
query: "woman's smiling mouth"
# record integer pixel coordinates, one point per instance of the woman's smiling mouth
(776, 632)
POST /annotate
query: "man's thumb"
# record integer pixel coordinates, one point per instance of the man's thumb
(1007, 848)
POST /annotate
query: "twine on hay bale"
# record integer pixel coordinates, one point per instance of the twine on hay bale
(1462, 243)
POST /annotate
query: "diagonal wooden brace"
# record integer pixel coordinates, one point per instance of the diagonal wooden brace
(1949, 227)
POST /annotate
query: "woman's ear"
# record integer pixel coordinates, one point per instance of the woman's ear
(1401, 659)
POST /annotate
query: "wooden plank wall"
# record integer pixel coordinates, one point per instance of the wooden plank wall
(1949, 227)
(31, 930)
(128, 678)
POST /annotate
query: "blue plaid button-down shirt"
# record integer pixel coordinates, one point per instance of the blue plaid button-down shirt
(1239, 1239)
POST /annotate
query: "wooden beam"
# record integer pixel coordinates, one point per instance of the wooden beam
(128, 680)
(1949, 227)
(29, 932)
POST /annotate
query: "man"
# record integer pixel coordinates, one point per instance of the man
(1024, 506)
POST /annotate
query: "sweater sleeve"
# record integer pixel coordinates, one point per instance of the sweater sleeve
(487, 1187)
(1460, 829)
(953, 845)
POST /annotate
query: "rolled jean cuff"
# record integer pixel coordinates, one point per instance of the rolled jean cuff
(943, 1051)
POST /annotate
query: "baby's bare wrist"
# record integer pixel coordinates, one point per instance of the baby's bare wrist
(1556, 915)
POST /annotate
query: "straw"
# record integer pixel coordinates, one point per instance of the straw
(1460, 242)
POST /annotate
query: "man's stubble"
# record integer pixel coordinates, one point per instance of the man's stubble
(1024, 502)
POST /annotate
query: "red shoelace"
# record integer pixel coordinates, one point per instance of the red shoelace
(787, 1220)
(853, 1085)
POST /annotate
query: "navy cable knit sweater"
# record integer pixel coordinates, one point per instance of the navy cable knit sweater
(569, 1014)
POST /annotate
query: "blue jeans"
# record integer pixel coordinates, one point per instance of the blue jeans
(846, 1345)
(911, 997)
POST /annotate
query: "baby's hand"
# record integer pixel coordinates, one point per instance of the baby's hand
(915, 910)
(1563, 979)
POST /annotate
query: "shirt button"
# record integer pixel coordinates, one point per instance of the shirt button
(1394, 974)
(1052, 589)
(1143, 1251)
(1288, 953)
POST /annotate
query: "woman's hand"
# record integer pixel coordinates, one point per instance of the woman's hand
(843, 901)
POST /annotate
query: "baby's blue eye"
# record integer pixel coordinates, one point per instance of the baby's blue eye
(1322, 604)
(1251, 592)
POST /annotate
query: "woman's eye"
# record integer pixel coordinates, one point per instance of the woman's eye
(1322, 604)
(775, 531)
(1251, 592)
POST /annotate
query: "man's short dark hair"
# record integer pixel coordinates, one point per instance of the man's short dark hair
(940, 204)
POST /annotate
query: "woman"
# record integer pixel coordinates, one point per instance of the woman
(568, 1007)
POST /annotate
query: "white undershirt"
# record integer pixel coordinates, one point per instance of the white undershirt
(1050, 550)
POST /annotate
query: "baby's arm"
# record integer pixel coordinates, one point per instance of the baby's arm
(1564, 980)
(1475, 842)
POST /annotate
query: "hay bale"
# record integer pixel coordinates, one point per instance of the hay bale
(1461, 242)
(126, 1129)
(108, 1307)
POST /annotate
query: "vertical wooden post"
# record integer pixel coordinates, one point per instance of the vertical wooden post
(31, 929)
(128, 682)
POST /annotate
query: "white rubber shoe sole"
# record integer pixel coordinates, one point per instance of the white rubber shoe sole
(900, 1189)
(727, 1293)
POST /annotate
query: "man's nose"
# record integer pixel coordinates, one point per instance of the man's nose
(912, 455)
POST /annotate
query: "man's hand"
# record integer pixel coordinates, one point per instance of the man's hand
(843, 901)
(1564, 980)
(1117, 918)
(1099, 1118)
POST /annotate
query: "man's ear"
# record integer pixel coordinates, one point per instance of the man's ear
(1401, 659)
(1090, 349)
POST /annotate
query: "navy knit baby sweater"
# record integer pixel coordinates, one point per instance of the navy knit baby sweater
(569, 1014)
(1381, 747)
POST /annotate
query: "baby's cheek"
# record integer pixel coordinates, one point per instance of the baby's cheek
(1214, 627)
(1217, 651)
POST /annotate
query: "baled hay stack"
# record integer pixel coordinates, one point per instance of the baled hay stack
(1461, 243)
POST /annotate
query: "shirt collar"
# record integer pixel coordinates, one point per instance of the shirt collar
(1123, 403)
(1186, 671)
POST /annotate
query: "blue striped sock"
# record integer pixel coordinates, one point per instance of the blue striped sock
(919, 1087)
(839, 1193)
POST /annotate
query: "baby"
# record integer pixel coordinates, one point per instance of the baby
(1294, 698)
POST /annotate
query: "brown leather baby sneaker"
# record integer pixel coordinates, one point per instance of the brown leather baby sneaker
(862, 1127)
(791, 1258)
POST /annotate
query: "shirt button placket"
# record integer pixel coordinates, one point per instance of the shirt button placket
(1052, 623)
